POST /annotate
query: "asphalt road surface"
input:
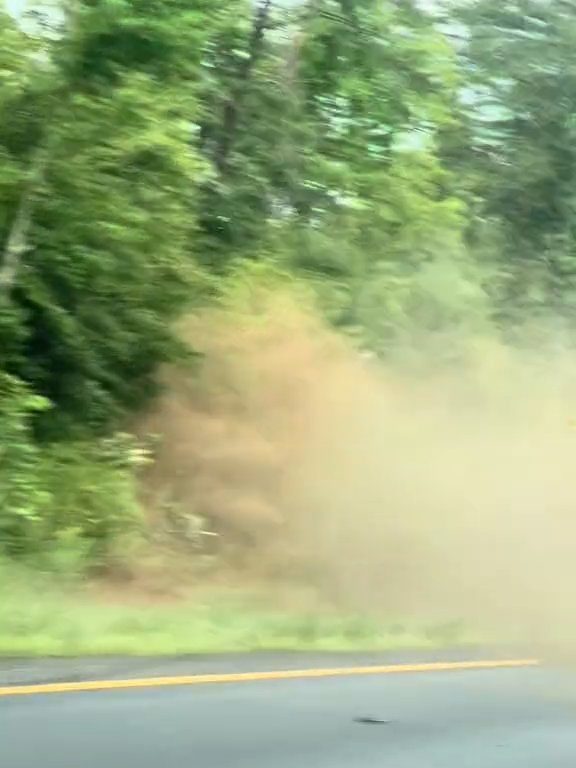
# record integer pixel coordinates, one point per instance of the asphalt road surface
(505, 718)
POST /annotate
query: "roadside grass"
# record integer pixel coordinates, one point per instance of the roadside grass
(42, 617)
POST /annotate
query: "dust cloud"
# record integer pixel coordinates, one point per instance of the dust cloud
(447, 493)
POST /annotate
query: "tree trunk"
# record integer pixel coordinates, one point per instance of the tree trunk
(17, 242)
(233, 106)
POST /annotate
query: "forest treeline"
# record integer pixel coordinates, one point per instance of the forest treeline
(412, 168)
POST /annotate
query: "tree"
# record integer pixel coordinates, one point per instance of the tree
(377, 85)
(520, 102)
(99, 174)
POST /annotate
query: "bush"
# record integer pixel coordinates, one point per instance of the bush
(92, 497)
(65, 503)
(22, 495)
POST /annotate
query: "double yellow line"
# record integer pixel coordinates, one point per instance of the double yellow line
(248, 677)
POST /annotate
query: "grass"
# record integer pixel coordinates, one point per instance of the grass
(39, 617)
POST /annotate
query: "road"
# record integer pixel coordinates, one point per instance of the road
(500, 718)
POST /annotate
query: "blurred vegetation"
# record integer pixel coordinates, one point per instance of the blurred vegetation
(38, 617)
(413, 170)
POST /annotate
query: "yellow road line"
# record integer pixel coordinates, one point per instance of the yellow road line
(246, 677)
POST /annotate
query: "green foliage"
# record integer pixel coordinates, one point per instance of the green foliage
(417, 177)
(83, 502)
(335, 165)
(62, 502)
(61, 499)
(22, 495)
(519, 154)
(92, 499)
(99, 213)
(108, 272)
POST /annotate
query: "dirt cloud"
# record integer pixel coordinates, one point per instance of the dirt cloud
(444, 493)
